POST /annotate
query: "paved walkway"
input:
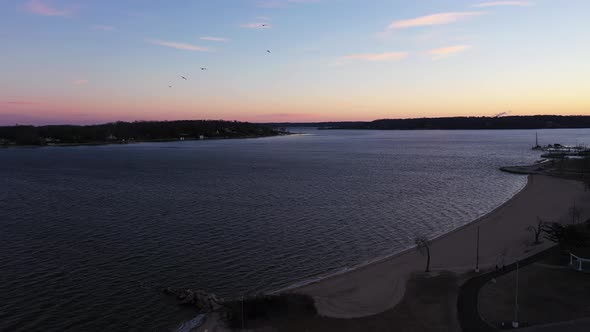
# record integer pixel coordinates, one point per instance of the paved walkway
(578, 325)
(467, 308)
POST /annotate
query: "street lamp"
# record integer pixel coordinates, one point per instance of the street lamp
(515, 321)
(477, 253)
(242, 312)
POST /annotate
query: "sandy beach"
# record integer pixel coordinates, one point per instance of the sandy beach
(379, 286)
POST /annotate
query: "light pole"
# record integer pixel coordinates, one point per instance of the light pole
(515, 321)
(477, 253)
(242, 312)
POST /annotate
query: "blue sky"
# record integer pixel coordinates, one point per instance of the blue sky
(81, 61)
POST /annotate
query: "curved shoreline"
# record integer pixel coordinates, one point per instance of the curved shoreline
(380, 285)
(379, 260)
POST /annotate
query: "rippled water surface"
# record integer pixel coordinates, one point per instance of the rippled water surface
(89, 234)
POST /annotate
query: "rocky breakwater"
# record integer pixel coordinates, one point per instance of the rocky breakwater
(201, 300)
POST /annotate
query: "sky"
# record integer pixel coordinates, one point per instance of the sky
(84, 62)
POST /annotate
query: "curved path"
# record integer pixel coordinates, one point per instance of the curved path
(377, 287)
(467, 307)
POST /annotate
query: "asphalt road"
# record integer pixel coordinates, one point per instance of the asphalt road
(467, 308)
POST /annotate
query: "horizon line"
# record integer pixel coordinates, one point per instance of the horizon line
(296, 122)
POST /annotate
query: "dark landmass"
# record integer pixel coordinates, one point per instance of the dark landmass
(575, 169)
(128, 132)
(455, 123)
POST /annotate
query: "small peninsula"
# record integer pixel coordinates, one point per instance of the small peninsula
(130, 132)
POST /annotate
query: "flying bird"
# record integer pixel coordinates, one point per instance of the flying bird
(169, 86)
(184, 78)
(203, 68)
(264, 25)
(268, 51)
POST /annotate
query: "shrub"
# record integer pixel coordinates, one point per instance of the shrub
(268, 308)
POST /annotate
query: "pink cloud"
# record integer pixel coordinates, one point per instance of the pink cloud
(434, 19)
(178, 46)
(43, 9)
(256, 25)
(374, 57)
(215, 39)
(81, 82)
(443, 52)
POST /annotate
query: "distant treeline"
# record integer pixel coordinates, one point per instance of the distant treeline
(130, 131)
(507, 122)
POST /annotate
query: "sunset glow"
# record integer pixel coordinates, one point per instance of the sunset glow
(80, 61)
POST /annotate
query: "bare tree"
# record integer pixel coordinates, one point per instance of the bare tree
(423, 246)
(537, 230)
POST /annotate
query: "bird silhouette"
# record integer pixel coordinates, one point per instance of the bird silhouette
(264, 25)
(184, 78)
(203, 68)
(169, 86)
(268, 51)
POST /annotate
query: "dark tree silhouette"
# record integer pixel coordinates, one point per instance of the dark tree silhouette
(568, 236)
(423, 246)
(505, 122)
(131, 131)
(537, 230)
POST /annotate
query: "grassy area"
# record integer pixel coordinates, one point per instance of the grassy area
(262, 311)
(566, 168)
(429, 304)
(548, 292)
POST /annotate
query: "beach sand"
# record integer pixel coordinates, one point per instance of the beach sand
(379, 286)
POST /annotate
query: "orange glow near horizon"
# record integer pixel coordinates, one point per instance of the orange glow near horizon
(66, 64)
(333, 109)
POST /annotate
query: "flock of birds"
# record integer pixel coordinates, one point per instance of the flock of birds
(205, 68)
